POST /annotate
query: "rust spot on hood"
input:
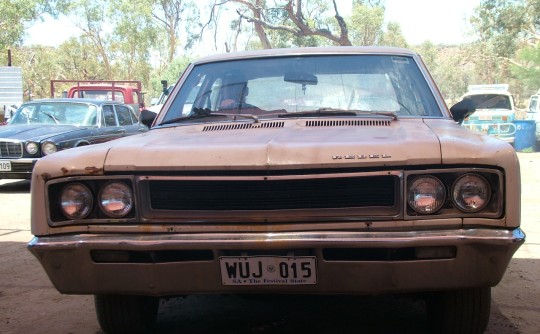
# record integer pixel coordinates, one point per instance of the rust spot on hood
(45, 176)
(64, 170)
(93, 170)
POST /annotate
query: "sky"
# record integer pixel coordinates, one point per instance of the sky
(440, 21)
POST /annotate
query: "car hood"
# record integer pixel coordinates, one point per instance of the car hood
(35, 132)
(407, 142)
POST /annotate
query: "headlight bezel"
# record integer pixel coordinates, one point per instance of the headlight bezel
(493, 208)
(94, 184)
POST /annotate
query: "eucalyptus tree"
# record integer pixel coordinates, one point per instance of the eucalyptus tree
(393, 36)
(510, 30)
(92, 20)
(133, 35)
(300, 19)
(176, 17)
(366, 22)
(16, 16)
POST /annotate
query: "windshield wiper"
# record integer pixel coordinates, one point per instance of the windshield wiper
(385, 113)
(320, 112)
(204, 113)
(337, 112)
(196, 114)
(253, 117)
(51, 116)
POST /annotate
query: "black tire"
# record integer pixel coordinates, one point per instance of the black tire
(126, 314)
(461, 311)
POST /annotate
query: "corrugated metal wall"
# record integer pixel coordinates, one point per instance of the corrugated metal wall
(11, 86)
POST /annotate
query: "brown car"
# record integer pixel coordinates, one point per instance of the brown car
(300, 171)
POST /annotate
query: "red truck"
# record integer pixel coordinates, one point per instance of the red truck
(126, 91)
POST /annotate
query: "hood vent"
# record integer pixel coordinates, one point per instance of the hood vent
(348, 122)
(243, 126)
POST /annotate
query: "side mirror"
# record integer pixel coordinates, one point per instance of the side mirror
(165, 86)
(462, 110)
(147, 117)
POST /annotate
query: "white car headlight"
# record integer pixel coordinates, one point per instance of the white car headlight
(115, 199)
(48, 148)
(31, 147)
(426, 194)
(471, 193)
(76, 201)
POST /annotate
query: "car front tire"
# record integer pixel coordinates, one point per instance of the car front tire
(463, 311)
(126, 313)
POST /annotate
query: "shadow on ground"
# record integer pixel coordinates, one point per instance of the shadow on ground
(15, 187)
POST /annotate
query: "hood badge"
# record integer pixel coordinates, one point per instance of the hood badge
(361, 156)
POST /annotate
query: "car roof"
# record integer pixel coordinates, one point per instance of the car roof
(335, 50)
(75, 100)
(103, 87)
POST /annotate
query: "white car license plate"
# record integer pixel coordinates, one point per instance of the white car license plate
(5, 166)
(485, 117)
(268, 270)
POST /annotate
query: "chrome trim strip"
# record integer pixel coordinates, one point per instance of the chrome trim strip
(269, 177)
(212, 239)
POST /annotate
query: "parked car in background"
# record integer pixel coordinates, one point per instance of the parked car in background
(495, 111)
(286, 171)
(158, 103)
(124, 91)
(533, 112)
(42, 127)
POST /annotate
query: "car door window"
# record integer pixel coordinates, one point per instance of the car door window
(134, 116)
(123, 114)
(109, 118)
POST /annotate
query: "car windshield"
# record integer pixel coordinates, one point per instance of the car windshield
(101, 95)
(491, 101)
(56, 113)
(304, 86)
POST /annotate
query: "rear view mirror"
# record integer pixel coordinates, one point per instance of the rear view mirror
(302, 78)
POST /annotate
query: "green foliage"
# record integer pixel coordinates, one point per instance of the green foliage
(509, 32)
(365, 24)
(150, 40)
(500, 22)
(172, 73)
(16, 15)
(528, 71)
(393, 36)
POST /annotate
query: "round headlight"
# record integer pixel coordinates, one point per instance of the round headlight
(76, 201)
(116, 199)
(48, 148)
(471, 193)
(32, 148)
(426, 194)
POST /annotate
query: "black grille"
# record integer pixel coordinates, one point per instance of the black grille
(348, 192)
(10, 149)
(22, 167)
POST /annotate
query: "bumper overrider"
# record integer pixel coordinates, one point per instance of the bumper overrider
(339, 262)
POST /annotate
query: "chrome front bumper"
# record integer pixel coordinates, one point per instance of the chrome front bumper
(481, 258)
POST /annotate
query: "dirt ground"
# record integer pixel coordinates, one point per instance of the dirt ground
(30, 304)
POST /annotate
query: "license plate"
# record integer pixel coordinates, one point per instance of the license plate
(485, 117)
(5, 166)
(268, 270)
